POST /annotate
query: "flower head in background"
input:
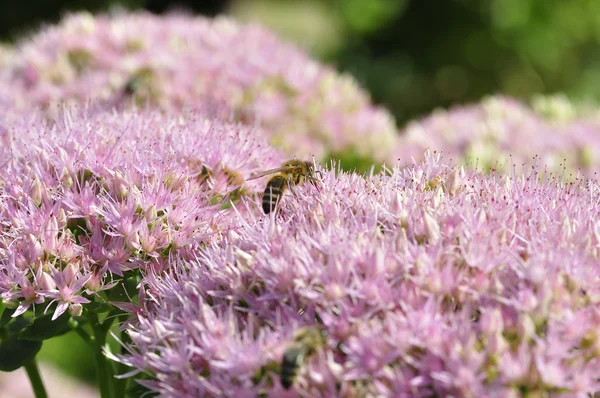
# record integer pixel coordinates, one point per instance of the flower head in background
(500, 132)
(87, 196)
(428, 280)
(176, 62)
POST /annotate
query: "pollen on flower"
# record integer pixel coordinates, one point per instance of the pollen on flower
(364, 276)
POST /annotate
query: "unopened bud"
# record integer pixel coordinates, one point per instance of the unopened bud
(76, 309)
(61, 218)
(46, 282)
(37, 191)
(10, 303)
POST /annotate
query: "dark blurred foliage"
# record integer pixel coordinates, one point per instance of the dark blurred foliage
(436, 53)
(20, 17)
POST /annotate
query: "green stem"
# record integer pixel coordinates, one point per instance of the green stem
(121, 384)
(84, 336)
(76, 327)
(108, 321)
(36, 379)
(103, 368)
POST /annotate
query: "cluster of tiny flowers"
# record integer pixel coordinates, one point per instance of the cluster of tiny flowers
(501, 131)
(88, 195)
(426, 281)
(177, 61)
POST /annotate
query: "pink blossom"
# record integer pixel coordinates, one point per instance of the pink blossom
(355, 256)
(500, 132)
(89, 194)
(178, 61)
(67, 291)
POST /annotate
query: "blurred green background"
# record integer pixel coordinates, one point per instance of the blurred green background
(411, 55)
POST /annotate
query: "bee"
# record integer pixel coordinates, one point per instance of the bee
(290, 174)
(307, 341)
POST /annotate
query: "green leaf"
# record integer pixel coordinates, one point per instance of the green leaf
(98, 307)
(137, 390)
(43, 327)
(126, 290)
(38, 310)
(6, 316)
(19, 323)
(15, 353)
(132, 283)
(117, 293)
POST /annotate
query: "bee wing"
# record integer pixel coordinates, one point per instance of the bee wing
(267, 172)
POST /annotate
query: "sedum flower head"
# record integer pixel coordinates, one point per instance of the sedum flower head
(87, 196)
(428, 281)
(500, 132)
(178, 61)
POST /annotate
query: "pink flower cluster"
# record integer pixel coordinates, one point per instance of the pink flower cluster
(176, 62)
(90, 195)
(428, 280)
(501, 131)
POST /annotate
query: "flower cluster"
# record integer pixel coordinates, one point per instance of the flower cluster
(90, 195)
(176, 62)
(501, 131)
(428, 281)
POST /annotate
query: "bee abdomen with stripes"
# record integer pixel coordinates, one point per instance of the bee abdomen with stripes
(293, 172)
(273, 193)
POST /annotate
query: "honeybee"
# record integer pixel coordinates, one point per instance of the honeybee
(290, 174)
(307, 341)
